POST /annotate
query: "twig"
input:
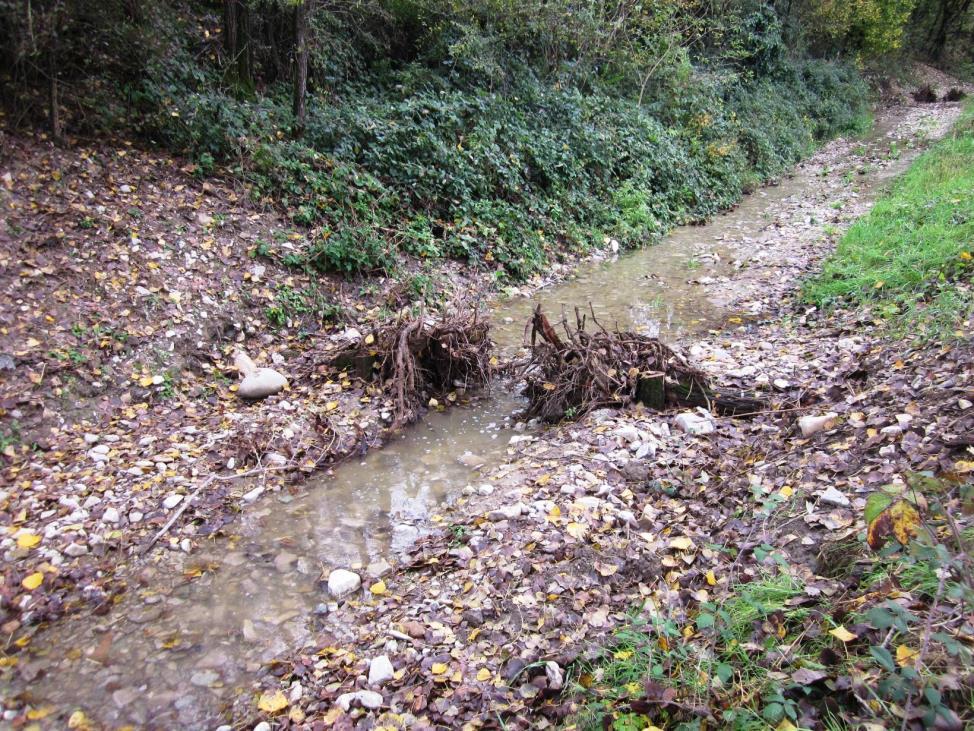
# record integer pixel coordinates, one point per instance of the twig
(192, 496)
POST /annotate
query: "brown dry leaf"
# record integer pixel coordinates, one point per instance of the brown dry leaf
(606, 569)
(682, 543)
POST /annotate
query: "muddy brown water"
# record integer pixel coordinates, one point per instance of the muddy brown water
(179, 647)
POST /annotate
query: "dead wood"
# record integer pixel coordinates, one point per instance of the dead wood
(416, 358)
(567, 377)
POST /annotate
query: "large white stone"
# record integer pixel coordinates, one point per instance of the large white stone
(342, 582)
(694, 422)
(260, 384)
(380, 670)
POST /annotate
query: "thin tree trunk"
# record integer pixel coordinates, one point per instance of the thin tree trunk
(230, 41)
(54, 96)
(301, 65)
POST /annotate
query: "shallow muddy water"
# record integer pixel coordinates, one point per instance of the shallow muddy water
(182, 641)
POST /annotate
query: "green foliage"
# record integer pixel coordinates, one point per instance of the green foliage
(910, 258)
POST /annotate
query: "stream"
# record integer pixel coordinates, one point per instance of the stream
(182, 642)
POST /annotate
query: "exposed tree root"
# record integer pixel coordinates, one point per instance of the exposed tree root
(571, 375)
(417, 358)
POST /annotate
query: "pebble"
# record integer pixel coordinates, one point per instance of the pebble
(204, 678)
(76, 549)
(693, 422)
(366, 698)
(832, 496)
(110, 516)
(508, 512)
(380, 670)
(253, 494)
(342, 582)
(813, 424)
(172, 501)
(378, 569)
(262, 726)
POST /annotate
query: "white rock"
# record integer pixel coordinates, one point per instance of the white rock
(380, 670)
(342, 582)
(91, 438)
(204, 678)
(694, 422)
(76, 549)
(903, 419)
(110, 516)
(263, 383)
(832, 496)
(262, 726)
(813, 424)
(366, 698)
(253, 494)
(243, 363)
(172, 501)
(963, 404)
(507, 512)
(628, 433)
(556, 679)
(781, 383)
(135, 516)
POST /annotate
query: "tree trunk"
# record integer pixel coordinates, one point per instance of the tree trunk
(54, 96)
(301, 65)
(245, 52)
(230, 41)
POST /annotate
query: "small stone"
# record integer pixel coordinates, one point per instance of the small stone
(963, 404)
(365, 698)
(781, 383)
(380, 670)
(135, 516)
(262, 726)
(832, 496)
(76, 549)
(342, 582)
(508, 512)
(556, 678)
(378, 569)
(903, 419)
(253, 494)
(125, 188)
(264, 382)
(693, 422)
(110, 516)
(810, 425)
(204, 678)
(172, 501)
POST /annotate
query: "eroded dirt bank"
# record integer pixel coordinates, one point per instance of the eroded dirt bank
(547, 552)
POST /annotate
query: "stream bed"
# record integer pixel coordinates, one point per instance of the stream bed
(185, 639)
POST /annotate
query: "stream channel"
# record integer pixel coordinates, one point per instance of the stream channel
(184, 640)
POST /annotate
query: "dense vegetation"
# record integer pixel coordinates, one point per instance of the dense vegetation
(497, 132)
(911, 257)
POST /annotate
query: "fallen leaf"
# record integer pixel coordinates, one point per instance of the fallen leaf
(378, 588)
(28, 540)
(272, 702)
(576, 530)
(33, 581)
(438, 668)
(841, 633)
(681, 544)
(483, 675)
(906, 656)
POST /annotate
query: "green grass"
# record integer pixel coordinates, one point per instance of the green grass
(910, 257)
(738, 662)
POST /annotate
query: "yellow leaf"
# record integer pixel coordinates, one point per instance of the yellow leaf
(33, 581)
(369, 339)
(576, 530)
(331, 406)
(787, 491)
(681, 544)
(543, 480)
(786, 725)
(906, 521)
(841, 633)
(711, 579)
(378, 588)
(272, 702)
(38, 714)
(964, 466)
(548, 386)
(965, 255)
(438, 668)
(145, 381)
(28, 540)
(483, 675)
(554, 513)
(623, 654)
(78, 720)
(905, 656)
